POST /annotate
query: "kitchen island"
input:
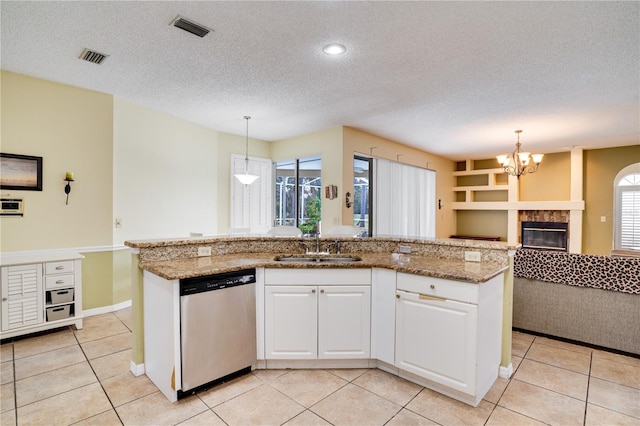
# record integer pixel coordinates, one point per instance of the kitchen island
(393, 296)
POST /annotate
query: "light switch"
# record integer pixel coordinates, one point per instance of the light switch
(603, 218)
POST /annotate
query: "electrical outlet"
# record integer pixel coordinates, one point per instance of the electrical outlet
(204, 251)
(472, 256)
(404, 249)
(603, 218)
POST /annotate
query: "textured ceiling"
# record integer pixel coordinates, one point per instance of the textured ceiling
(452, 78)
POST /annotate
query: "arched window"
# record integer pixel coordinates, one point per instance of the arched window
(627, 208)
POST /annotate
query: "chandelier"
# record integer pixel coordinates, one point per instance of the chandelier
(519, 163)
(245, 178)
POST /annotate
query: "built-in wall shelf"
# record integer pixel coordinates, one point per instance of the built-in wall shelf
(519, 205)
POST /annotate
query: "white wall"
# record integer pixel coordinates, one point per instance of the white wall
(165, 175)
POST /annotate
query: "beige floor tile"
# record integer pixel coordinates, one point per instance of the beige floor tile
(112, 365)
(100, 326)
(617, 372)
(388, 386)
(107, 345)
(208, 418)
(496, 391)
(263, 405)
(503, 417)
(564, 345)
(8, 418)
(126, 387)
(6, 352)
(226, 391)
(7, 397)
(522, 336)
(269, 375)
(47, 342)
(125, 314)
(559, 357)
(306, 387)
(553, 378)
(409, 418)
(353, 405)
(157, 410)
(349, 374)
(542, 404)
(515, 361)
(447, 411)
(48, 361)
(66, 408)
(108, 418)
(613, 396)
(520, 343)
(598, 416)
(616, 357)
(6, 372)
(51, 383)
(307, 418)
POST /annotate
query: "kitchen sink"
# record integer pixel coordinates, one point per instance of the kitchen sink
(316, 259)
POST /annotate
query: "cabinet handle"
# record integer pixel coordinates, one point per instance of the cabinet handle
(397, 296)
(313, 291)
(4, 299)
(59, 268)
(322, 291)
(60, 282)
(432, 287)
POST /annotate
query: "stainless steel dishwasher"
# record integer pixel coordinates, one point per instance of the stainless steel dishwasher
(217, 327)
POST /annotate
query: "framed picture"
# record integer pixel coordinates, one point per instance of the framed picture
(20, 172)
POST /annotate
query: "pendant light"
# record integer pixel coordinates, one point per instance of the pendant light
(245, 178)
(518, 163)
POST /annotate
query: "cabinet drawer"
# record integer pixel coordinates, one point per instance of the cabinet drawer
(438, 287)
(59, 281)
(58, 267)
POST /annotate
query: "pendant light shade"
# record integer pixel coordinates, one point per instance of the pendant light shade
(519, 163)
(245, 178)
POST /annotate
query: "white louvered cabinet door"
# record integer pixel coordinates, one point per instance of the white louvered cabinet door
(22, 296)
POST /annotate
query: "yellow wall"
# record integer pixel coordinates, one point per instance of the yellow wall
(71, 128)
(358, 142)
(326, 144)
(552, 181)
(600, 169)
(482, 223)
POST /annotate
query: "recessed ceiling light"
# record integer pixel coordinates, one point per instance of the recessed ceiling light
(334, 49)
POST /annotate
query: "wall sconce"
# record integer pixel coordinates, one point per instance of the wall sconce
(347, 201)
(67, 189)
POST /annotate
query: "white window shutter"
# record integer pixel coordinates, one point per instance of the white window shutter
(251, 205)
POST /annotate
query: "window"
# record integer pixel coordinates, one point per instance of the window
(405, 200)
(627, 208)
(362, 200)
(298, 188)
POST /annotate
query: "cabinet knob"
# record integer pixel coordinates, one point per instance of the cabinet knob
(432, 286)
(397, 296)
(313, 291)
(4, 299)
(322, 291)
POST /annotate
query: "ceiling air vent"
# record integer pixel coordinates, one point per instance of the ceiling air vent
(190, 27)
(93, 56)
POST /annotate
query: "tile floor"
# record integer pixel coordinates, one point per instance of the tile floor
(82, 377)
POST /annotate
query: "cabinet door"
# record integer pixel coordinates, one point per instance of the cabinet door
(344, 322)
(22, 296)
(436, 339)
(291, 322)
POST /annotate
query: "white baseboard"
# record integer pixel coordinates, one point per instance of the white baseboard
(106, 309)
(506, 372)
(136, 369)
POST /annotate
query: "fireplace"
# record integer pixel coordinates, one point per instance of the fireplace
(545, 235)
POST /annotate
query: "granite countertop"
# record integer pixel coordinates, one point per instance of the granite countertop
(475, 272)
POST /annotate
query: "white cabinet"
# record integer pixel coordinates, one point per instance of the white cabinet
(40, 292)
(323, 319)
(383, 315)
(21, 296)
(449, 333)
(291, 322)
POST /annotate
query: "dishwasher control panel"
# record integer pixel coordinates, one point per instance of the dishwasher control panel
(216, 282)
